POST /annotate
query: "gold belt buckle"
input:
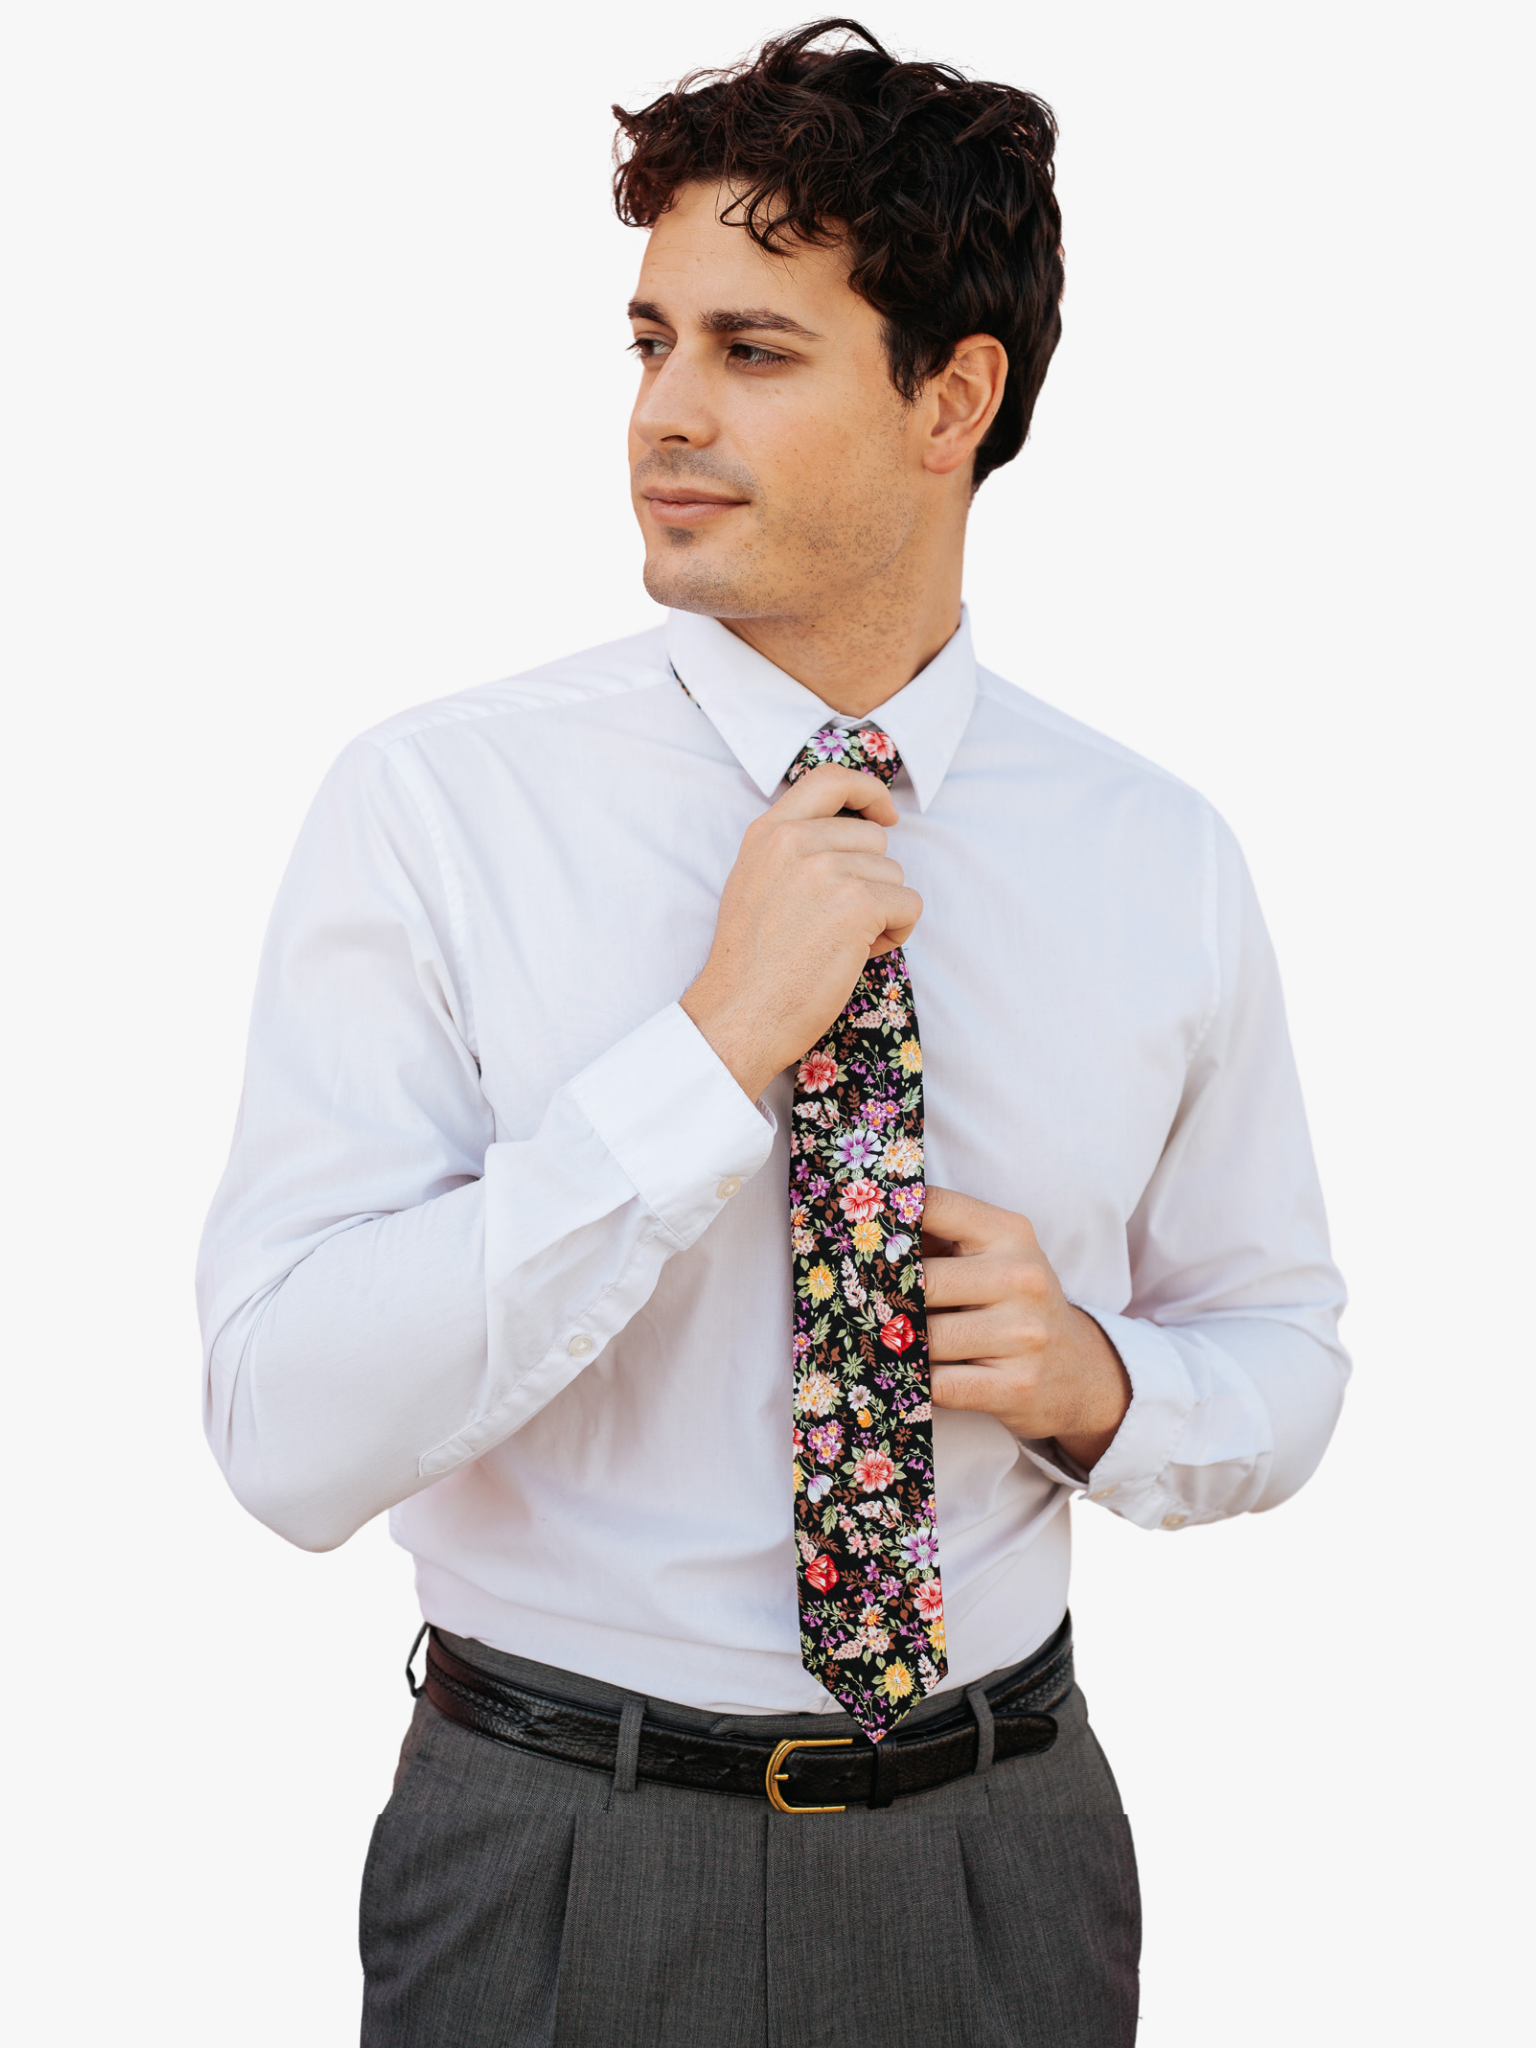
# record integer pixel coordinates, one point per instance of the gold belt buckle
(776, 1777)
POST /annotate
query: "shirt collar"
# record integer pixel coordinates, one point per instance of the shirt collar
(765, 717)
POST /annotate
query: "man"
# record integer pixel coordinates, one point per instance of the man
(741, 1124)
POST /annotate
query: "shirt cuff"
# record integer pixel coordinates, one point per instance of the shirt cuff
(675, 1119)
(1130, 1477)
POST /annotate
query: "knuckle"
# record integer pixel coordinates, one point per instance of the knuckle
(1017, 1276)
(1034, 1281)
(1029, 1333)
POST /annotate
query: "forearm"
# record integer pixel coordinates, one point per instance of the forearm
(388, 1351)
(325, 1394)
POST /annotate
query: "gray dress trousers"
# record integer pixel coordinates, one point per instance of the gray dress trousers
(510, 1901)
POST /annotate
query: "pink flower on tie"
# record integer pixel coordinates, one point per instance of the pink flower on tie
(818, 1070)
(874, 1472)
(930, 1600)
(861, 1198)
(879, 746)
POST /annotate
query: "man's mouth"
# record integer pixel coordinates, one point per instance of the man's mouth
(685, 505)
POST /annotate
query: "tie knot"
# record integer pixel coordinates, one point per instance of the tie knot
(868, 749)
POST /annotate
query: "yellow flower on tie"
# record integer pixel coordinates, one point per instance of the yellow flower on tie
(799, 1478)
(818, 1282)
(867, 1237)
(895, 1682)
(864, 1418)
(936, 1636)
(910, 1053)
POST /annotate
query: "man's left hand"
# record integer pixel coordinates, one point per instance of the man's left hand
(1020, 1350)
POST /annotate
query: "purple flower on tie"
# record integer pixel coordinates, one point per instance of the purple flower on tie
(831, 744)
(897, 1247)
(908, 1202)
(826, 1440)
(858, 1148)
(921, 1545)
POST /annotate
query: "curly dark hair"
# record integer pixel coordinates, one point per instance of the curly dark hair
(940, 186)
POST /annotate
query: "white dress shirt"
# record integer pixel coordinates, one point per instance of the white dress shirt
(503, 1248)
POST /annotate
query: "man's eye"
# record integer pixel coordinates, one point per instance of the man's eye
(650, 348)
(749, 352)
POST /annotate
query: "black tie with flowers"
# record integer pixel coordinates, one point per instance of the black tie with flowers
(866, 1526)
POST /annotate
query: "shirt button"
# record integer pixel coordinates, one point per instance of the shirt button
(1174, 1521)
(731, 1185)
(579, 1345)
(1103, 1493)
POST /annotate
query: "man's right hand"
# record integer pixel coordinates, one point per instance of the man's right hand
(812, 898)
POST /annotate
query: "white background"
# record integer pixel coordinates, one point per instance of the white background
(315, 396)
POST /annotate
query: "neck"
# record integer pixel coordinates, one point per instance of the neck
(855, 657)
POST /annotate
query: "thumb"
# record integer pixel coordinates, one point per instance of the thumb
(970, 1226)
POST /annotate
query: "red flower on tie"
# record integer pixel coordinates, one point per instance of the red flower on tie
(898, 1334)
(822, 1574)
(817, 1070)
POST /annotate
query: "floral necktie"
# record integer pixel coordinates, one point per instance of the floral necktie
(871, 1607)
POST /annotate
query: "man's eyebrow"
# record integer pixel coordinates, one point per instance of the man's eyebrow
(732, 320)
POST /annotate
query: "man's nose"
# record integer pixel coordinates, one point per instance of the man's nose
(673, 408)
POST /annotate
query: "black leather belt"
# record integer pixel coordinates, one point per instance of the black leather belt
(811, 1775)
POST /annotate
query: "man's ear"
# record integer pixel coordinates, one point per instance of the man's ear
(961, 402)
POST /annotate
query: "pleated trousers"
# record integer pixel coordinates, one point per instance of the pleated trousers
(511, 1901)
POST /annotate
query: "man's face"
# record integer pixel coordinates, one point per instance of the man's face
(775, 469)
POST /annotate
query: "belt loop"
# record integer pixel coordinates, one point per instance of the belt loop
(884, 1786)
(629, 1745)
(986, 1733)
(416, 1690)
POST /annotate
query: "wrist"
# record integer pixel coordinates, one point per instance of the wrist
(736, 1039)
(1108, 1388)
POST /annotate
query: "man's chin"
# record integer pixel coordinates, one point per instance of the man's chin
(684, 579)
